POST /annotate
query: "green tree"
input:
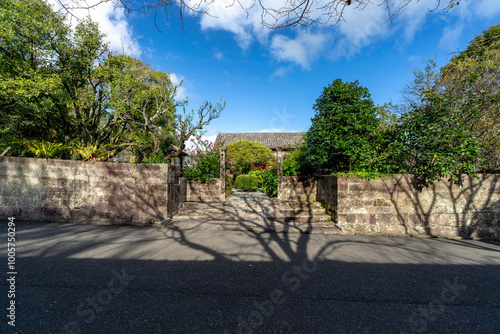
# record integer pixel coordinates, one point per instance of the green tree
(247, 154)
(432, 143)
(343, 134)
(454, 126)
(470, 80)
(65, 86)
(295, 162)
(143, 100)
(29, 30)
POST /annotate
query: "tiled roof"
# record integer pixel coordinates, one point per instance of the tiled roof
(272, 140)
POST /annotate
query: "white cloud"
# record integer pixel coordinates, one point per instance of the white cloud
(302, 50)
(281, 71)
(218, 54)
(181, 91)
(487, 9)
(477, 9)
(242, 18)
(412, 18)
(467, 12)
(112, 22)
(450, 37)
(362, 26)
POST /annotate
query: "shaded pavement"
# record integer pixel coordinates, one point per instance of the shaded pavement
(118, 279)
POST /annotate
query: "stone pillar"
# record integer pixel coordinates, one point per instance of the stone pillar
(222, 174)
(173, 190)
(279, 159)
(176, 161)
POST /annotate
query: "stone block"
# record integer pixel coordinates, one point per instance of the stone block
(382, 202)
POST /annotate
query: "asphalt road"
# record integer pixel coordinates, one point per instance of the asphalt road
(115, 279)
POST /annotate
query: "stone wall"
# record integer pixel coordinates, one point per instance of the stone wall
(197, 191)
(62, 190)
(393, 206)
(297, 189)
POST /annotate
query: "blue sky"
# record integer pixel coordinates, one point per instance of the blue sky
(270, 80)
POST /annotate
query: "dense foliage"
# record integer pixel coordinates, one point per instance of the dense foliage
(205, 161)
(295, 162)
(158, 158)
(64, 85)
(257, 171)
(269, 181)
(471, 80)
(343, 134)
(454, 126)
(247, 182)
(447, 125)
(247, 154)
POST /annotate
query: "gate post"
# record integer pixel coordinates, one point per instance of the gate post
(222, 174)
(280, 171)
(173, 190)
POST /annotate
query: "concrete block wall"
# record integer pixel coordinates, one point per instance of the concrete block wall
(62, 190)
(393, 206)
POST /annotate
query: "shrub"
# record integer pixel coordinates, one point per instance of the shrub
(93, 153)
(205, 163)
(43, 149)
(258, 173)
(270, 181)
(246, 154)
(295, 163)
(158, 158)
(247, 182)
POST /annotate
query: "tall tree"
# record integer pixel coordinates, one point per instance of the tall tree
(470, 80)
(452, 125)
(144, 101)
(29, 30)
(343, 133)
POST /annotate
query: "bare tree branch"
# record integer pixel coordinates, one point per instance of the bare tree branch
(289, 13)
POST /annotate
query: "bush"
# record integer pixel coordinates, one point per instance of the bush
(93, 153)
(295, 163)
(258, 173)
(205, 162)
(243, 155)
(270, 181)
(44, 149)
(247, 183)
(158, 158)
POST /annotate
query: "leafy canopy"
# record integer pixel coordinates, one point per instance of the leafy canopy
(453, 127)
(247, 154)
(343, 133)
(65, 86)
